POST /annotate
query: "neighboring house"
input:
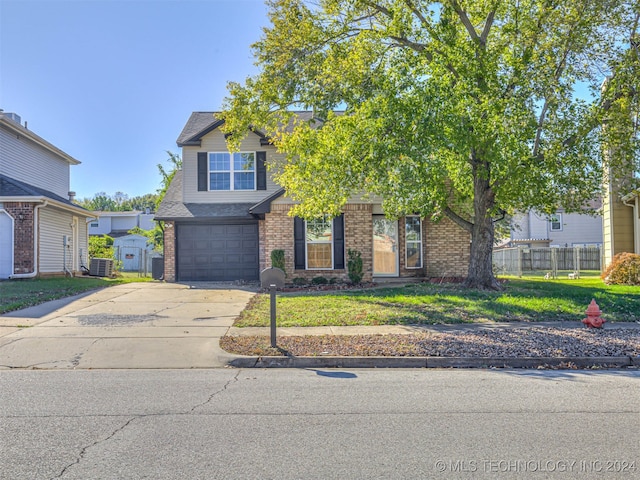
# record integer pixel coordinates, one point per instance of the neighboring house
(134, 252)
(534, 229)
(224, 215)
(117, 224)
(42, 232)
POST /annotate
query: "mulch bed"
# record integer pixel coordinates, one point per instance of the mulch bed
(533, 342)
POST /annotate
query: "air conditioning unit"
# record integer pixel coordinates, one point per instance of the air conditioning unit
(101, 267)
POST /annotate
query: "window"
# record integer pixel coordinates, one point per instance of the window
(94, 225)
(232, 171)
(413, 241)
(319, 243)
(555, 222)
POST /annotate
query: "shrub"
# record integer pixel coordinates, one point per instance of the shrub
(623, 270)
(354, 266)
(299, 281)
(319, 281)
(100, 246)
(277, 260)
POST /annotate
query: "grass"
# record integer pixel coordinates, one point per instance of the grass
(531, 299)
(22, 293)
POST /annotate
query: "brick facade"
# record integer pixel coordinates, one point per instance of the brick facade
(23, 232)
(447, 249)
(445, 246)
(169, 251)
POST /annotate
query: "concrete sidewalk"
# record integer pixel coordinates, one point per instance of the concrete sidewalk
(176, 326)
(136, 325)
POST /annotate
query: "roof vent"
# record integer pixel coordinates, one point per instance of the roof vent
(13, 116)
(72, 196)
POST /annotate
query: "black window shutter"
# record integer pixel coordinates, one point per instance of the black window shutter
(299, 244)
(338, 242)
(203, 170)
(261, 170)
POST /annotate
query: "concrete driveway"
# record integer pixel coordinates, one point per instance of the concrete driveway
(136, 325)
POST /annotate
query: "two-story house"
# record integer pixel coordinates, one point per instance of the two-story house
(118, 224)
(42, 232)
(562, 229)
(224, 215)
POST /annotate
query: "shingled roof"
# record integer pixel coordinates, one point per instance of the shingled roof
(201, 123)
(172, 207)
(10, 187)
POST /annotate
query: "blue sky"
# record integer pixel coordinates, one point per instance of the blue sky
(112, 82)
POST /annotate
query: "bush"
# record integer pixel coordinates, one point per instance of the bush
(277, 260)
(623, 270)
(100, 246)
(319, 281)
(299, 281)
(354, 266)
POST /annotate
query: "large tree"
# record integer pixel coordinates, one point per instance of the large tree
(460, 108)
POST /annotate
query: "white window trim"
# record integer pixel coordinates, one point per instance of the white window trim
(551, 222)
(406, 242)
(231, 171)
(307, 242)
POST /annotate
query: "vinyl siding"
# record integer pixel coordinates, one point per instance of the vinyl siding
(52, 227)
(215, 142)
(617, 228)
(578, 229)
(28, 162)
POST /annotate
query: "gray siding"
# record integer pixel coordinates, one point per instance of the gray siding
(28, 162)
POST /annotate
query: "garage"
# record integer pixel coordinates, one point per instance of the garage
(217, 252)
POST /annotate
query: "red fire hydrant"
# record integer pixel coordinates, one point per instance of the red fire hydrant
(593, 320)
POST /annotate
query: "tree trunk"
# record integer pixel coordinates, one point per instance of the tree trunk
(480, 274)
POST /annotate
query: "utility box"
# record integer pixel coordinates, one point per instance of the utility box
(101, 267)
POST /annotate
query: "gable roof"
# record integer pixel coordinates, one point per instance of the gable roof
(20, 191)
(16, 127)
(201, 123)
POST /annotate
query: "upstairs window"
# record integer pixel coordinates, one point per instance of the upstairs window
(555, 222)
(235, 171)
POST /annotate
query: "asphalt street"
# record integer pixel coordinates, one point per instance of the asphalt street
(314, 423)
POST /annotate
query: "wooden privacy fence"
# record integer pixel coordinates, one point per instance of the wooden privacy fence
(523, 260)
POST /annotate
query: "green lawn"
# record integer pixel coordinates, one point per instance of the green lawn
(524, 299)
(17, 294)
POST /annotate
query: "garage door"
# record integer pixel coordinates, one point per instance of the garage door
(217, 252)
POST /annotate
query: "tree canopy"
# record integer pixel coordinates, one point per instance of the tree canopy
(459, 108)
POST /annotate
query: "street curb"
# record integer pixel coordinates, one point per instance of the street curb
(433, 362)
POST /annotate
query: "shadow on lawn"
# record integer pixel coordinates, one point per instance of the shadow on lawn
(453, 304)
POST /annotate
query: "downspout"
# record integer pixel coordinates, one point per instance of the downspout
(35, 244)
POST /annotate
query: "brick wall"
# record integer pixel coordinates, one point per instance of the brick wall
(447, 249)
(358, 235)
(23, 248)
(169, 252)
(276, 233)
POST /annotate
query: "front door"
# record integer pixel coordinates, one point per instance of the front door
(385, 247)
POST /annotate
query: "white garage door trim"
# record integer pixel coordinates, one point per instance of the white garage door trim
(6, 244)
